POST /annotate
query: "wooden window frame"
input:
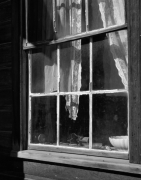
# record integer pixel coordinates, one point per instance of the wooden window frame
(134, 71)
(88, 34)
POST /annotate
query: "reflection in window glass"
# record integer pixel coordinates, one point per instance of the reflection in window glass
(87, 66)
(74, 133)
(44, 70)
(74, 66)
(106, 13)
(40, 20)
(110, 61)
(109, 119)
(70, 17)
(43, 120)
(51, 21)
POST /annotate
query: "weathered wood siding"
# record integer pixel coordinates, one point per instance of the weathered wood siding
(5, 77)
(20, 169)
(14, 168)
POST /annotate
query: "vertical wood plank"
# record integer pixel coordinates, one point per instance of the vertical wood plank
(16, 67)
(26, 21)
(29, 96)
(133, 8)
(70, 15)
(54, 16)
(5, 31)
(58, 97)
(23, 102)
(86, 15)
(90, 97)
(5, 12)
(23, 82)
(39, 27)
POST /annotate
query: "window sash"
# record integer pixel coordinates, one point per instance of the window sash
(58, 147)
(88, 33)
(19, 65)
(29, 45)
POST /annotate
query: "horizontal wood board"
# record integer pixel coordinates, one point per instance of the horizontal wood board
(44, 170)
(5, 11)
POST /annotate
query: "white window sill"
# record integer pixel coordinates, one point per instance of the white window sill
(80, 160)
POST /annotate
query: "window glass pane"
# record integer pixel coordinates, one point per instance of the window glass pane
(70, 17)
(44, 70)
(110, 61)
(40, 20)
(74, 120)
(109, 119)
(106, 13)
(74, 66)
(43, 120)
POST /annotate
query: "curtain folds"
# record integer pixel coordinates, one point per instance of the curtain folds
(72, 102)
(113, 13)
(69, 20)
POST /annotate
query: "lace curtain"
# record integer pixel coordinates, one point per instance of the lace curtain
(69, 21)
(113, 13)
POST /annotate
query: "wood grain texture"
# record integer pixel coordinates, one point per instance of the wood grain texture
(6, 110)
(134, 81)
(5, 54)
(32, 177)
(23, 101)
(5, 78)
(5, 140)
(5, 31)
(4, 1)
(5, 11)
(6, 118)
(5, 98)
(58, 172)
(84, 161)
(16, 71)
(50, 171)
(108, 154)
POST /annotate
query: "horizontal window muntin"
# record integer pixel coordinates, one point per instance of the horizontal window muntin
(37, 44)
(80, 93)
(53, 19)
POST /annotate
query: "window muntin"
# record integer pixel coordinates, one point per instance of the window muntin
(93, 67)
(55, 19)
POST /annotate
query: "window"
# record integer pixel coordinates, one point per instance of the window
(77, 53)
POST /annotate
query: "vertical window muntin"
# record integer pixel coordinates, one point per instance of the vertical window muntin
(90, 92)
